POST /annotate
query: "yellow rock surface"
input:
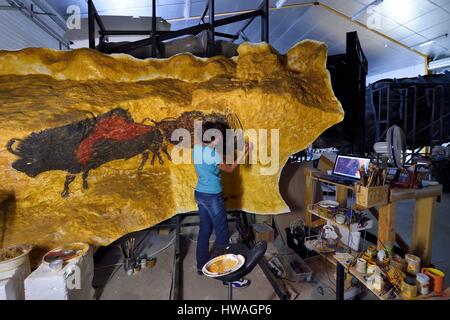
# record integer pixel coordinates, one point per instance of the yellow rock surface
(43, 88)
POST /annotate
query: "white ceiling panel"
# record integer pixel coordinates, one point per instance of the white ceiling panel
(399, 33)
(279, 29)
(428, 20)
(440, 2)
(445, 43)
(315, 24)
(347, 7)
(437, 30)
(382, 23)
(413, 40)
(403, 11)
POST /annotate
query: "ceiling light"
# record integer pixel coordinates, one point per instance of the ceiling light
(364, 10)
(426, 43)
(438, 64)
(431, 41)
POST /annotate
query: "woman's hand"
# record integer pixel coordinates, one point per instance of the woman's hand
(248, 146)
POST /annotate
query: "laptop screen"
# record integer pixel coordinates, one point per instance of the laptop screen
(348, 166)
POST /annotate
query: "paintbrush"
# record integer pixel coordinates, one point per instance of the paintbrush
(363, 176)
(369, 180)
(122, 250)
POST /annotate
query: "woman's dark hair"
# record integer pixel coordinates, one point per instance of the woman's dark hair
(213, 125)
(222, 127)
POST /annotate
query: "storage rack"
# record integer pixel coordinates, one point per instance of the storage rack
(156, 36)
(420, 107)
(425, 204)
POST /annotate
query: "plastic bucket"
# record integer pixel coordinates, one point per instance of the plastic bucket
(12, 264)
(413, 264)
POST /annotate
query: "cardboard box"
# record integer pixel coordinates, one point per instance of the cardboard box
(263, 232)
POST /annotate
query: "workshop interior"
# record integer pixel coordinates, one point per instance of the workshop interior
(330, 120)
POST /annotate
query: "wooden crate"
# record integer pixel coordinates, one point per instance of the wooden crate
(371, 196)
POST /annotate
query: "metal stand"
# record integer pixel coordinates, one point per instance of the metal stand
(175, 223)
(340, 280)
(177, 260)
(230, 291)
(154, 32)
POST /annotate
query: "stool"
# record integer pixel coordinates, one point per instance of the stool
(252, 258)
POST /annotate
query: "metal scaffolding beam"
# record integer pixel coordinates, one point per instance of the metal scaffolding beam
(154, 31)
(156, 36)
(91, 24)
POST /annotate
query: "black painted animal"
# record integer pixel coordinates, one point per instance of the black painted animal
(87, 144)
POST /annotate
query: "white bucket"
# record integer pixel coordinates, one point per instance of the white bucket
(7, 266)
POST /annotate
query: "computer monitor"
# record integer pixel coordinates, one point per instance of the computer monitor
(348, 166)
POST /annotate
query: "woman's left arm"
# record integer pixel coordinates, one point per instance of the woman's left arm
(231, 167)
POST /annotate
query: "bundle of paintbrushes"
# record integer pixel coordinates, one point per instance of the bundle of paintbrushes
(373, 176)
(127, 248)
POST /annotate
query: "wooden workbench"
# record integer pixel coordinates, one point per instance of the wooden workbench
(424, 212)
(342, 269)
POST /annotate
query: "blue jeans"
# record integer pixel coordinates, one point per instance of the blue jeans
(213, 215)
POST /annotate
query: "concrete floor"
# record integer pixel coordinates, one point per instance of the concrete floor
(155, 283)
(112, 282)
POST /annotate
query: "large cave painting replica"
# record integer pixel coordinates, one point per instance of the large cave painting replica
(87, 144)
(84, 143)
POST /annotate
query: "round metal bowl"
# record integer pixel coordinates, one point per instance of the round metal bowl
(223, 265)
(67, 252)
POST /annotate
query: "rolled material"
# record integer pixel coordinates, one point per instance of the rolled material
(361, 265)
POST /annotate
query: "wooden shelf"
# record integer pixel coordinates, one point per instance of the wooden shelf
(360, 276)
(346, 186)
(351, 227)
(398, 194)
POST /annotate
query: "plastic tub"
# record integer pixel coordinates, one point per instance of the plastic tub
(413, 264)
(297, 269)
(423, 283)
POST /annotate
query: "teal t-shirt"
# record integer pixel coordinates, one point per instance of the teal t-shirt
(206, 162)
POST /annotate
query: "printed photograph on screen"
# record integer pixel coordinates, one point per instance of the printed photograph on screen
(349, 166)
